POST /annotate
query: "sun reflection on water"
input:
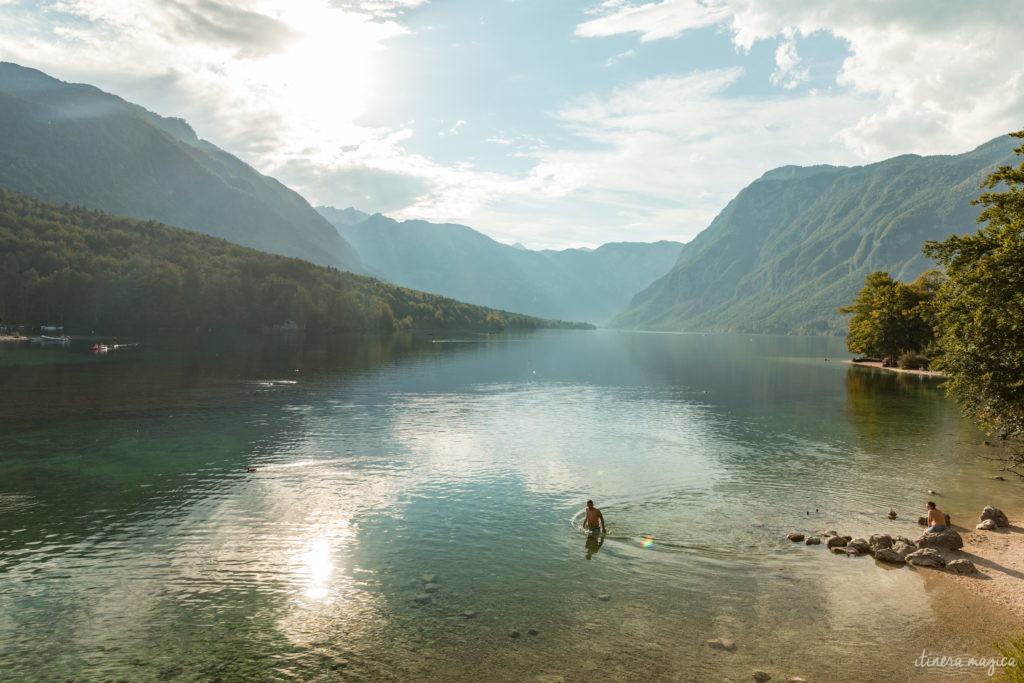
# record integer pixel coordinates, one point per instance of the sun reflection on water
(317, 568)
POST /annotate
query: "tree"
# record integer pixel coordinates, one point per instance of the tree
(891, 318)
(980, 307)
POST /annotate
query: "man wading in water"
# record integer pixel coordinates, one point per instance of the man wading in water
(594, 521)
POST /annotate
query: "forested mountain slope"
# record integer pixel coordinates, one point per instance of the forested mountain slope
(75, 144)
(798, 242)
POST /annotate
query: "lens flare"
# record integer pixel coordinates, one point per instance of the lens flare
(648, 542)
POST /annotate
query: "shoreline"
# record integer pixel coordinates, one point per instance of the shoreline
(877, 365)
(999, 558)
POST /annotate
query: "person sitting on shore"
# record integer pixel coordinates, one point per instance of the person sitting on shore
(936, 519)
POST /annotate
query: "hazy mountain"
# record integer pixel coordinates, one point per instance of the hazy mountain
(75, 144)
(797, 243)
(347, 216)
(459, 262)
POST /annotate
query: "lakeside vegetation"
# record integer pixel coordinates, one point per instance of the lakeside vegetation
(968, 319)
(92, 271)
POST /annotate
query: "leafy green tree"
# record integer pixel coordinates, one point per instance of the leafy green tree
(891, 318)
(980, 307)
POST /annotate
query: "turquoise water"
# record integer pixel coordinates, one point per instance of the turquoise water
(413, 506)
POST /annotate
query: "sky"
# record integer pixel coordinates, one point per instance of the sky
(553, 123)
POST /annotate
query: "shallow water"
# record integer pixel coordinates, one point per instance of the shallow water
(413, 502)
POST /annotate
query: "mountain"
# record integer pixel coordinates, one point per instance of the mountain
(75, 144)
(798, 242)
(459, 262)
(90, 270)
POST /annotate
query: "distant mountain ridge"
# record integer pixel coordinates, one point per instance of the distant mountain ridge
(462, 263)
(797, 243)
(75, 144)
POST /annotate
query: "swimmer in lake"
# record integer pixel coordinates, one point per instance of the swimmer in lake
(594, 521)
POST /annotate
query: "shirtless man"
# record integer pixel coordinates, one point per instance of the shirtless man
(595, 520)
(936, 519)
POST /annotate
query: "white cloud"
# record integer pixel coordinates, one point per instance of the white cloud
(653, 20)
(788, 72)
(275, 80)
(946, 75)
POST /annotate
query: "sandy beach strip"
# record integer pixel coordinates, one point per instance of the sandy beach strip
(999, 557)
(877, 365)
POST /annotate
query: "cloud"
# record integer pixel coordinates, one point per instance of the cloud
(653, 20)
(946, 75)
(788, 72)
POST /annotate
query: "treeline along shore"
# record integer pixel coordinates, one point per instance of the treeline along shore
(92, 271)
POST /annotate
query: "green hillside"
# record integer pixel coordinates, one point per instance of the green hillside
(798, 242)
(457, 261)
(72, 143)
(94, 271)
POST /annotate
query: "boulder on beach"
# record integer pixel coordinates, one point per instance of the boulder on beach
(830, 532)
(858, 545)
(835, 542)
(889, 555)
(948, 540)
(761, 676)
(795, 536)
(879, 541)
(902, 549)
(905, 540)
(987, 525)
(996, 515)
(812, 540)
(926, 557)
(923, 521)
(962, 566)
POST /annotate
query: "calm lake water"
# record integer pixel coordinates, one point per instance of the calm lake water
(414, 499)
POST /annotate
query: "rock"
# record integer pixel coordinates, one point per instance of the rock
(796, 679)
(722, 644)
(429, 578)
(901, 549)
(999, 478)
(932, 491)
(469, 614)
(923, 521)
(949, 521)
(962, 566)
(835, 542)
(604, 597)
(514, 634)
(892, 514)
(430, 588)
(830, 533)
(879, 541)
(948, 539)
(422, 598)
(795, 536)
(987, 525)
(904, 540)
(996, 515)
(926, 557)
(889, 555)
(813, 540)
(848, 538)
(533, 631)
(858, 545)
(761, 676)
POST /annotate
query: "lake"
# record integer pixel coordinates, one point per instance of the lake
(414, 507)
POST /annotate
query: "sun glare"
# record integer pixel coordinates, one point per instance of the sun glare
(320, 81)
